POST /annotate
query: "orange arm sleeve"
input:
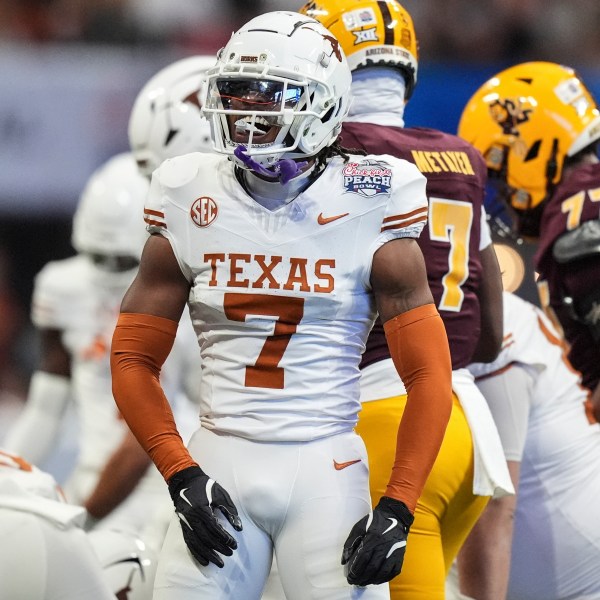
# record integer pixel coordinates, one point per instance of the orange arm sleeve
(140, 346)
(419, 348)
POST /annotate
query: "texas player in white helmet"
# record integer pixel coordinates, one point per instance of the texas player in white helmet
(552, 444)
(75, 307)
(44, 553)
(283, 250)
(166, 118)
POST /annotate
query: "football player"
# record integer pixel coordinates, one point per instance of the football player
(44, 552)
(380, 43)
(75, 308)
(538, 127)
(283, 250)
(552, 442)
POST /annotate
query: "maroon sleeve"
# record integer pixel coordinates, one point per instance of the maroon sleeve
(579, 279)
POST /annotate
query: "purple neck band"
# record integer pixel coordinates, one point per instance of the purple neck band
(284, 169)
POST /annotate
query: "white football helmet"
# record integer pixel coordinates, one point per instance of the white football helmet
(129, 565)
(281, 88)
(166, 119)
(109, 220)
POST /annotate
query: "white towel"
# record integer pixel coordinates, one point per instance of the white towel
(491, 476)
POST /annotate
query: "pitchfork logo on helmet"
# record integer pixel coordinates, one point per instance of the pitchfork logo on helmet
(509, 114)
(526, 121)
(280, 89)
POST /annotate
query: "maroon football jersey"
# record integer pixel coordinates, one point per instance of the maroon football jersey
(456, 175)
(575, 200)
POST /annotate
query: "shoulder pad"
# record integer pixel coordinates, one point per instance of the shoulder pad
(177, 172)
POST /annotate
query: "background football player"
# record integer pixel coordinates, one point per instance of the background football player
(380, 43)
(538, 126)
(75, 308)
(552, 442)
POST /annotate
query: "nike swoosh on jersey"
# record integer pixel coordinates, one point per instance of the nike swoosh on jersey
(339, 466)
(321, 220)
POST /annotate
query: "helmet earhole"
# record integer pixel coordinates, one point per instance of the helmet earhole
(328, 114)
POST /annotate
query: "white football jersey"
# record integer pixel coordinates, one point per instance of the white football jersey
(556, 539)
(82, 302)
(557, 399)
(281, 299)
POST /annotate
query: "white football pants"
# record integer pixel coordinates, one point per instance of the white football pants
(293, 502)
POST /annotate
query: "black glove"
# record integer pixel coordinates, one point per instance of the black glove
(374, 550)
(196, 496)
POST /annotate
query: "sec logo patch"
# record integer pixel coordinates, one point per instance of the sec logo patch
(204, 211)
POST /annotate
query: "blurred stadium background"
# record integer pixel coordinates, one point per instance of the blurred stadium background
(70, 70)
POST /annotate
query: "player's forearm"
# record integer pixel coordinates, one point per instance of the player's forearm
(419, 349)
(34, 434)
(141, 343)
(120, 476)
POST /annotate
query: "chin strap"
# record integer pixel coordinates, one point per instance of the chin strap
(284, 169)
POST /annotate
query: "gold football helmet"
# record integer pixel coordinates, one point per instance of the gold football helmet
(371, 33)
(526, 121)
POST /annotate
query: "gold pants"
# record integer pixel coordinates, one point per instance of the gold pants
(447, 509)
